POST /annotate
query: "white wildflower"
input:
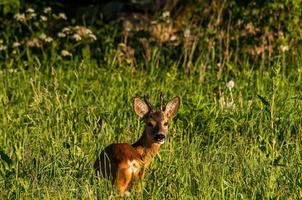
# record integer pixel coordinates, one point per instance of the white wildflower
(43, 18)
(16, 44)
(12, 71)
(62, 16)
(61, 35)
(66, 53)
(20, 17)
(187, 33)
(3, 47)
(48, 39)
(230, 84)
(83, 31)
(47, 10)
(66, 30)
(230, 104)
(34, 42)
(92, 36)
(30, 10)
(32, 15)
(153, 22)
(77, 37)
(284, 48)
(42, 36)
(166, 14)
(173, 38)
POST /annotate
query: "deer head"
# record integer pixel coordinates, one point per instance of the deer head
(156, 122)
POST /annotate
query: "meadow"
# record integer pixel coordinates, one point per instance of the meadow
(238, 134)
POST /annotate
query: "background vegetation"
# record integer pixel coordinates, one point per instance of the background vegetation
(67, 82)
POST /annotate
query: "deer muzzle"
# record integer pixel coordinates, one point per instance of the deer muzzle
(159, 138)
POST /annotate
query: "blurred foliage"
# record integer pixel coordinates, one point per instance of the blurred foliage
(232, 30)
(9, 6)
(41, 33)
(255, 28)
(225, 31)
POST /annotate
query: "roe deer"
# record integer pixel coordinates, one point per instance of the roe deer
(122, 163)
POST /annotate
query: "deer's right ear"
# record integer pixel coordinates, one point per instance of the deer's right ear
(172, 107)
(140, 107)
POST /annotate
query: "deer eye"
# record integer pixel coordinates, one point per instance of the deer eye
(166, 124)
(150, 124)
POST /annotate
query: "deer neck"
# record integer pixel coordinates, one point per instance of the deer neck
(145, 147)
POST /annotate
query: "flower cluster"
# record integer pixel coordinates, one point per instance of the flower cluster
(44, 31)
(77, 33)
(226, 100)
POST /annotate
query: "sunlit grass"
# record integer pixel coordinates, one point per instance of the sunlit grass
(54, 122)
(229, 141)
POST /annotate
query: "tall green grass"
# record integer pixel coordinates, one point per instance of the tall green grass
(58, 112)
(56, 119)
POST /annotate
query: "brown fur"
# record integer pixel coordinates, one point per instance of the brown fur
(122, 163)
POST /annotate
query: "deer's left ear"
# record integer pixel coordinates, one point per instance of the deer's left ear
(141, 107)
(172, 107)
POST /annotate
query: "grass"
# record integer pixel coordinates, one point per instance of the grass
(225, 143)
(55, 121)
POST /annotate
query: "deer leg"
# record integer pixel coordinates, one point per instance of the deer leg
(123, 179)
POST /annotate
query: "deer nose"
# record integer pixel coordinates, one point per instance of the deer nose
(159, 137)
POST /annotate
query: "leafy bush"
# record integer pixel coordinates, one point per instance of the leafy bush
(256, 28)
(189, 31)
(43, 34)
(226, 30)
